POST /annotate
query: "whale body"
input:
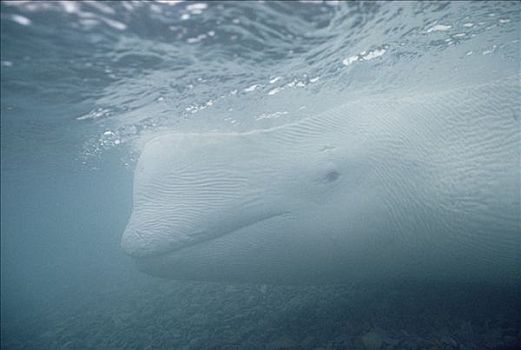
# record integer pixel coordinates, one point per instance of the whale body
(388, 187)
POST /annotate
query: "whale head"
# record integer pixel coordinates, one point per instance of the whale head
(192, 188)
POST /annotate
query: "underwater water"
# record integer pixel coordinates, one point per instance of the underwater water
(85, 85)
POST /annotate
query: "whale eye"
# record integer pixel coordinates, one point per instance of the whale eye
(331, 176)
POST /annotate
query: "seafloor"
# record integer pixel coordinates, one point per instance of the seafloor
(191, 315)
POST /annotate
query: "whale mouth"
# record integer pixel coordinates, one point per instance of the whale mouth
(140, 244)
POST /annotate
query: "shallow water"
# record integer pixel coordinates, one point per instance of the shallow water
(84, 85)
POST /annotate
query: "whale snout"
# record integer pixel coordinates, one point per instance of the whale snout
(140, 244)
(134, 245)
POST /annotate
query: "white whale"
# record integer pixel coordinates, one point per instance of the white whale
(420, 186)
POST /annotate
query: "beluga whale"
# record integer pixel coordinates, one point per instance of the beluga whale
(395, 186)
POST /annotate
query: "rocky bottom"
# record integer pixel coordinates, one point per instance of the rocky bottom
(189, 315)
